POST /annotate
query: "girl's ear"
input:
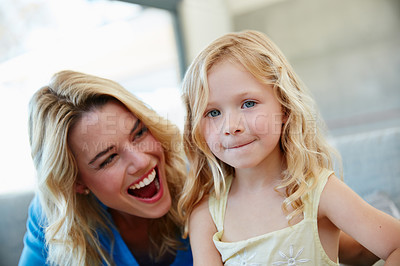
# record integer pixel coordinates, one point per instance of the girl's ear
(81, 188)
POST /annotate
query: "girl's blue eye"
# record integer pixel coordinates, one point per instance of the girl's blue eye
(249, 104)
(213, 113)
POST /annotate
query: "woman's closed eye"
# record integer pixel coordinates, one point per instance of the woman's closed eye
(140, 133)
(107, 161)
(213, 113)
(248, 104)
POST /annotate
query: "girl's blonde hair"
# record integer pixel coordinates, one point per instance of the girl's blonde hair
(304, 147)
(72, 221)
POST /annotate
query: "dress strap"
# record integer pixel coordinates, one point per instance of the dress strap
(316, 193)
(217, 207)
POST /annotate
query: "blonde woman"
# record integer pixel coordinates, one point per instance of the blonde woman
(109, 173)
(261, 188)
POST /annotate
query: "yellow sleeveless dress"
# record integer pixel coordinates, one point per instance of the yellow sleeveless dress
(294, 245)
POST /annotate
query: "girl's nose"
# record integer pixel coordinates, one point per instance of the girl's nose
(234, 124)
(137, 160)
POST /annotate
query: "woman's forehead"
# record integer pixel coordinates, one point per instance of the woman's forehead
(108, 120)
(110, 123)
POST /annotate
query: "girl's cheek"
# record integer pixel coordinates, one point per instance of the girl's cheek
(205, 130)
(215, 147)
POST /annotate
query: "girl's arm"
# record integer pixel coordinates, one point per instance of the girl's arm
(374, 229)
(201, 231)
(353, 253)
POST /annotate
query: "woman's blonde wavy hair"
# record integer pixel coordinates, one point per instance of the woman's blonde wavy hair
(72, 221)
(302, 142)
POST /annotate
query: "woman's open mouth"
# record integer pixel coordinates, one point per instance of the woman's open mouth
(147, 187)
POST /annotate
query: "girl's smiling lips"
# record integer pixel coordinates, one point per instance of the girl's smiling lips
(240, 145)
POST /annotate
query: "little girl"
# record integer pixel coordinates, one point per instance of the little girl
(261, 184)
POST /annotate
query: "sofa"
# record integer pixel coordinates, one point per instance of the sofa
(371, 164)
(14, 212)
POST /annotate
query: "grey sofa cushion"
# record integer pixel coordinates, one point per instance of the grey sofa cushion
(14, 212)
(371, 162)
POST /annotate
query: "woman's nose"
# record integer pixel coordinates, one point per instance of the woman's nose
(137, 160)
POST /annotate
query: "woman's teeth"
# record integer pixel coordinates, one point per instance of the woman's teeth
(146, 181)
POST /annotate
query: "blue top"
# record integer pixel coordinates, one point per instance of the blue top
(35, 252)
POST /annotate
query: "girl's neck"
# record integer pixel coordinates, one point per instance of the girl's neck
(267, 174)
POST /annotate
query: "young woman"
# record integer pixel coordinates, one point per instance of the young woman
(109, 173)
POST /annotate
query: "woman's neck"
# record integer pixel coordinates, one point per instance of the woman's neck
(133, 229)
(135, 233)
